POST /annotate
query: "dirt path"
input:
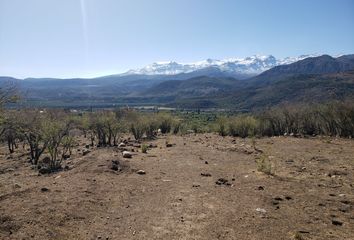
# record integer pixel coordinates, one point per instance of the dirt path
(310, 196)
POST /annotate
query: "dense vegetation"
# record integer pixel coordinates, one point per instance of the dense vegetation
(52, 132)
(334, 119)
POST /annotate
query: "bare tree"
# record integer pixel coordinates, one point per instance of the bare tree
(31, 126)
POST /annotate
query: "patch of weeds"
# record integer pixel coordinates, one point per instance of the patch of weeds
(144, 148)
(298, 236)
(264, 164)
(253, 142)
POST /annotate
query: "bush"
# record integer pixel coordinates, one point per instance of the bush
(243, 126)
(334, 119)
(141, 124)
(264, 165)
(31, 126)
(165, 123)
(58, 141)
(106, 128)
(177, 126)
(151, 125)
(144, 148)
(10, 131)
(221, 126)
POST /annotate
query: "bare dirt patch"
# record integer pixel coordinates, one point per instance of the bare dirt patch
(200, 187)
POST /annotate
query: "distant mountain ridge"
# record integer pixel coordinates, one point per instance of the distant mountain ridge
(249, 66)
(324, 64)
(313, 79)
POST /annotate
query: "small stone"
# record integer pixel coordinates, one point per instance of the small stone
(127, 154)
(44, 170)
(115, 165)
(44, 189)
(85, 152)
(141, 172)
(206, 162)
(289, 161)
(151, 145)
(205, 174)
(337, 222)
(223, 181)
(261, 210)
(344, 208)
(121, 144)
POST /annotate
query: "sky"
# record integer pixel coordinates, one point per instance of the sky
(88, 38)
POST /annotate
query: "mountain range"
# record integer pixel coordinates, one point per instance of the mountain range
(237, 67)
(249, 83)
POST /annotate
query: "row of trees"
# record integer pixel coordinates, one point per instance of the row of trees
(334, 119)
(38, 132)
(52, 131)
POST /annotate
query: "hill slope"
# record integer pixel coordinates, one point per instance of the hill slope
(314, 79)
(313, 65)
(302, 88)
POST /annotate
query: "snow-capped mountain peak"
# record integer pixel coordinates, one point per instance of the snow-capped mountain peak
(248, 66)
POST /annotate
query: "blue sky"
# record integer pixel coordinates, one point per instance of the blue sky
(84, 38)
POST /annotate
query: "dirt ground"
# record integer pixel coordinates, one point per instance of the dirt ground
(181, 195)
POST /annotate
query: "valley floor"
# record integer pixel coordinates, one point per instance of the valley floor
(310, 196)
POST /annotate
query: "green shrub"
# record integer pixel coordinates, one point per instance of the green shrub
(177, 126)
(165, 122)
(144, 148)
(333, 119)
(221, 126)
(137, 129)
(264, 164)
(56, 135)
(151, 126)
(243, 126)
(135, 122)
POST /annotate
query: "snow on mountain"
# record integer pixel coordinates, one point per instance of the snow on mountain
(250, 65)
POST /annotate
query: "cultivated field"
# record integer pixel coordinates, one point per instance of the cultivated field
(194, 186)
